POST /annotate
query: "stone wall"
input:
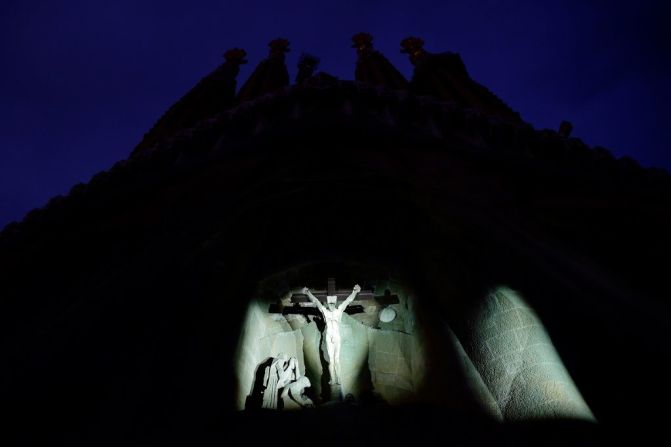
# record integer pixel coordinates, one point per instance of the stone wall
(388, 362)
(474, 382)
(263, 335)
(519, 364)
(395, 366)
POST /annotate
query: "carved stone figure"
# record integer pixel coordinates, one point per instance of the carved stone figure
(295, 392)
(332, 316)
(372, 67)
(444, 76)
(307, 64)
(269, 75)
(280, 373)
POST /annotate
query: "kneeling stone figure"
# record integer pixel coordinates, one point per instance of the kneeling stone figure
(294, 393)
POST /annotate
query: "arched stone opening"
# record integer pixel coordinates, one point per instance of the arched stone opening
(391, 353)
(503, 366)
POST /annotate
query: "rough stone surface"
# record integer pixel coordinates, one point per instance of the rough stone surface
(388, 362)
(516, 359)
(391, 364)
(474, 381)
(264, 336)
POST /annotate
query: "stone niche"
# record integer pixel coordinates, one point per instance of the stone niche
(503, 365)
(381, 359)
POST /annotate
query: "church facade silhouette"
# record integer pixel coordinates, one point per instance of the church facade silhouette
(527, 269)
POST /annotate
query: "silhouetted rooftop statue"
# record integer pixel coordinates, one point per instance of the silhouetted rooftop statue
(213, 94)
(565, 129)
(307, 64)
(372, 67)
(444, 76)
(414, 47)
(235, 57)
(270, 75)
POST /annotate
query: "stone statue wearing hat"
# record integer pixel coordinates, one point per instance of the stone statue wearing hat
(332, 315)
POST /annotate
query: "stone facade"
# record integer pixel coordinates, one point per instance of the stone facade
(126, 298)
(522, 369)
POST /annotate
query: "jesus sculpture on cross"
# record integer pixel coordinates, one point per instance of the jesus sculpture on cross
(332, 315)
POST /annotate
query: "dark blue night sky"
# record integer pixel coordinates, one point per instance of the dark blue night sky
(81, 81)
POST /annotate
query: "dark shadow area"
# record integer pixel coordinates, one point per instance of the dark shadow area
(325, 394)
(255, 399)
(378, 424)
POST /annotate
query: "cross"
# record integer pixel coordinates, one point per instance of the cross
(302, 305)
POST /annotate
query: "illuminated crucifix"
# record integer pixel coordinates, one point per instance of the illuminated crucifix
(332, 314)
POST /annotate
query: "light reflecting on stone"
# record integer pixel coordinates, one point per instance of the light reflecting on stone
(376, 363)
(517, 360)
(387, 315)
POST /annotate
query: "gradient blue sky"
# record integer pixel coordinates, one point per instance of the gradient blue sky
(81, 81)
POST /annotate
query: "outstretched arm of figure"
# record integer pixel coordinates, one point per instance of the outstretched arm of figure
(314, 299)
(350, 298)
